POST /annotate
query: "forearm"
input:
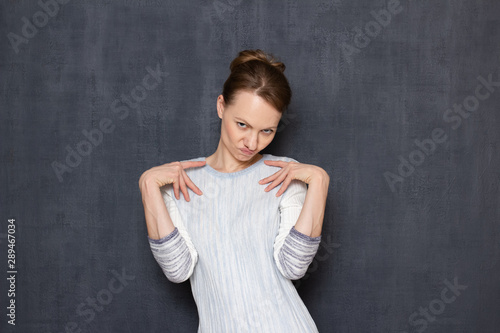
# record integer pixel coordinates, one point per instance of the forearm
(158, 221)
(310, 220)
(169, 242)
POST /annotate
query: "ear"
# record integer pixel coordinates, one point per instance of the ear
(220, 105)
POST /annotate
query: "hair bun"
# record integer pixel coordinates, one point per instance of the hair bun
(261, 74)
(249, 55)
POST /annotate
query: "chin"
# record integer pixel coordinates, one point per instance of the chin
(247, 156)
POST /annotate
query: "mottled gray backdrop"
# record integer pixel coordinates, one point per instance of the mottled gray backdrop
(397, 100)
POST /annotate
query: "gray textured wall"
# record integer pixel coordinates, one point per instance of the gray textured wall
(391, 98)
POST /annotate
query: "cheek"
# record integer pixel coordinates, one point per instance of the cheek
(265, 140)
(231, 131)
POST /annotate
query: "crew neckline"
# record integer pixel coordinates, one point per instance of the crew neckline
(236, 173)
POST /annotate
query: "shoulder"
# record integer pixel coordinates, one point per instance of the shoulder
(200, 158)
(193, 159)
(168, 189)
(271, 157)
(296, 187)
(296, 190)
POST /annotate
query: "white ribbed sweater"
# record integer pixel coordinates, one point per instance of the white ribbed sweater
(238, 247)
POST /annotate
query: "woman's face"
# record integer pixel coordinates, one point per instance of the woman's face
(248, 124)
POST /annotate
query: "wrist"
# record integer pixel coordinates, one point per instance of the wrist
(320, 179)
(146, 185)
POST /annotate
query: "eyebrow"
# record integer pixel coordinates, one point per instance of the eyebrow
(238, 118)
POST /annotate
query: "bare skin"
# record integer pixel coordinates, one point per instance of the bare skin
(248, 125)
(310, 220)
(158, 221)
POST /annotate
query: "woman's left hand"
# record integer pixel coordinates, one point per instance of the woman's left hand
(293, 170)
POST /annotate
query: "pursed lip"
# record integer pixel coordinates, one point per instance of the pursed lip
(246, 151)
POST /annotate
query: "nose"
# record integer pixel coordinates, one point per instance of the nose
(252, 141)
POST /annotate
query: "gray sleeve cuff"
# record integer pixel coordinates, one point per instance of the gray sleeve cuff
(297, 253)
(304, 237)
(164, 239)
(172, 254)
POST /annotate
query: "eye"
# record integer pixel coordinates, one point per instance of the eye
(243, 125)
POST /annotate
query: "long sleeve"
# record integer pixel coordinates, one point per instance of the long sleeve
(293, 250)
(175, 253)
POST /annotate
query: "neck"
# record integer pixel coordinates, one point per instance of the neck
(223, 161)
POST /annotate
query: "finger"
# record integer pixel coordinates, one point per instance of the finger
(269, 178)
(269, 162)
(184, 188)
(190, 184)
(284, 186)
(176, 190)
(191, 164)
(273, 176)
(276, 182)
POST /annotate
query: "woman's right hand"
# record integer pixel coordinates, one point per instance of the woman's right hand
(172, 173)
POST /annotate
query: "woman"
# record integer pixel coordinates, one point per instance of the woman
(239, 242)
